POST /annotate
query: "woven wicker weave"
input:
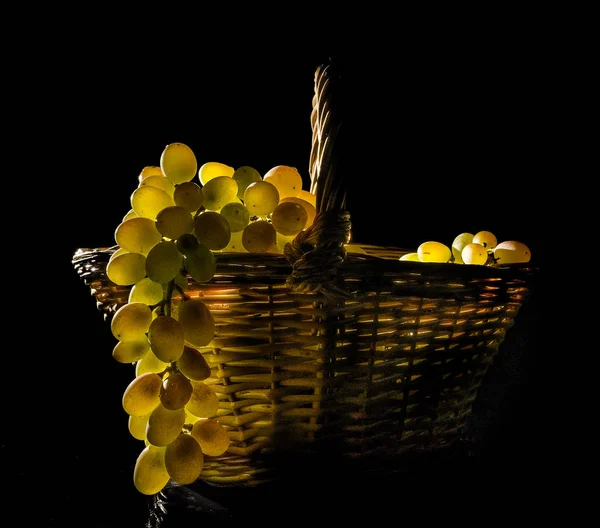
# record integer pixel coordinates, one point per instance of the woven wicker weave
(373, 357)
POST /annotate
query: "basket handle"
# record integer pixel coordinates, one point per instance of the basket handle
(317, 252)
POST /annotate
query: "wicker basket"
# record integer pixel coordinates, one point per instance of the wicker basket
(319, 350)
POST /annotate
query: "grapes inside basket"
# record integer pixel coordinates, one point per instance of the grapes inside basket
(255, 325)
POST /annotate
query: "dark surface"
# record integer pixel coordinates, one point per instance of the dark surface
(439, 141)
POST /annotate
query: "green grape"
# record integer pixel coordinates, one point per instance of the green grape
(187, 243)
(190, 418)
(235, 244)
(237, 216)
(212, 436)
(412, 257)
(130, 214)
(174, 221)
(163, 262)
(311, 212)
(244, 176)
(150, 473)
(137, 235)
(130, 351)
(474, 253)
(146, 291)
(160, 182)
(287, 180)
(261, 198)
(126, 269)
(181, 280)
(200, 263)
(433, 251)
(212, 229)
(259, 236)
(184, 459)
(166, 338)
(512, 252)
(308, 196)
(131, 322)
(150, 170)
(178, 163)
(197, 322)
(486, 239)
(193, 364)
(150, 363)
(289, 218)
(204, 402)
(219, 191)
(189, 195)
(164, 425)
(118, 252)
(458, 244)
(142, 395)
(176, 391)
(148, 201)
(137, 426)
(213, 169)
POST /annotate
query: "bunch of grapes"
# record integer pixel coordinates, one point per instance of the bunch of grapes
(171, 234)
(481, 248)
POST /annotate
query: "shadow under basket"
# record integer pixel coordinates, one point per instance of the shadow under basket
(393, 369)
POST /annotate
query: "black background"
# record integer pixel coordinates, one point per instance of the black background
(444, 134)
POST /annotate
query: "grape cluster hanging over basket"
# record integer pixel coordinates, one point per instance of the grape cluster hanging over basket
(318, 349)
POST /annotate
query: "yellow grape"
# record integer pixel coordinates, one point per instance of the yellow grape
(176, 391)
(412, 257)
(160, 182)
(237, 215)
(131, 322)
(188, 195)
(212, 229)
(150, 170)
(287, 180)
(163, 262)
(150, 473)
(130, 214)
(150, 363)
(137, 235)
(261, 198)
(235, 244)
(126, 269)
(282, 240)
(458, 244)
(146, 291)
(184, 459)
(204, 402)
(164, 425)
(166, 338)
(148, 201)
(118, 252)
(244, 176)
(308, 196)
(200, 263)
(259, 236)
(432, 251)
(512, 252)
(213, 169)
(474, 253)
(289, 218)
(193, 364)
(212, 436)
(485, 238)
(137, 426)
(142, 394)
(174, 221)
(187, 243)
(197, 322)
(219, 191)
(178, 163)
(310, 209)
(190, 418)
(130, 351)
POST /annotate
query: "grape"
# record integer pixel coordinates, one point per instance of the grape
(204, 402)
(308, 196)
(130, 214)
(166, 338)
(193, 364)
(197, 322)
(412, 257)
(244, 176)
(181, 280)
(289, 218)
(126, 269)
(187, 243)
(261, 198)
(311, 212)
(176, 391)
(130, 351)
(150, 170)
(189, 195)
(259, 236)
(458, 245)
(512, 252)
(137, 426)
(433, 251)
(163, 262)
(160, 182)
(474, 253)
(142, 394)
(131, 322)
(282, 240)
(212, 436)
(219, 191)
(164, 425)
(200, 263)
(237, 215)
(148, 201)
(150, 363)
(174, 221)
(287, 180)
(146, 291)
(213, 169)
(150, 473)
(235, 244)
(178, 163)
(486, 239)
(137, 235)
(184, 459)
(212, 229)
